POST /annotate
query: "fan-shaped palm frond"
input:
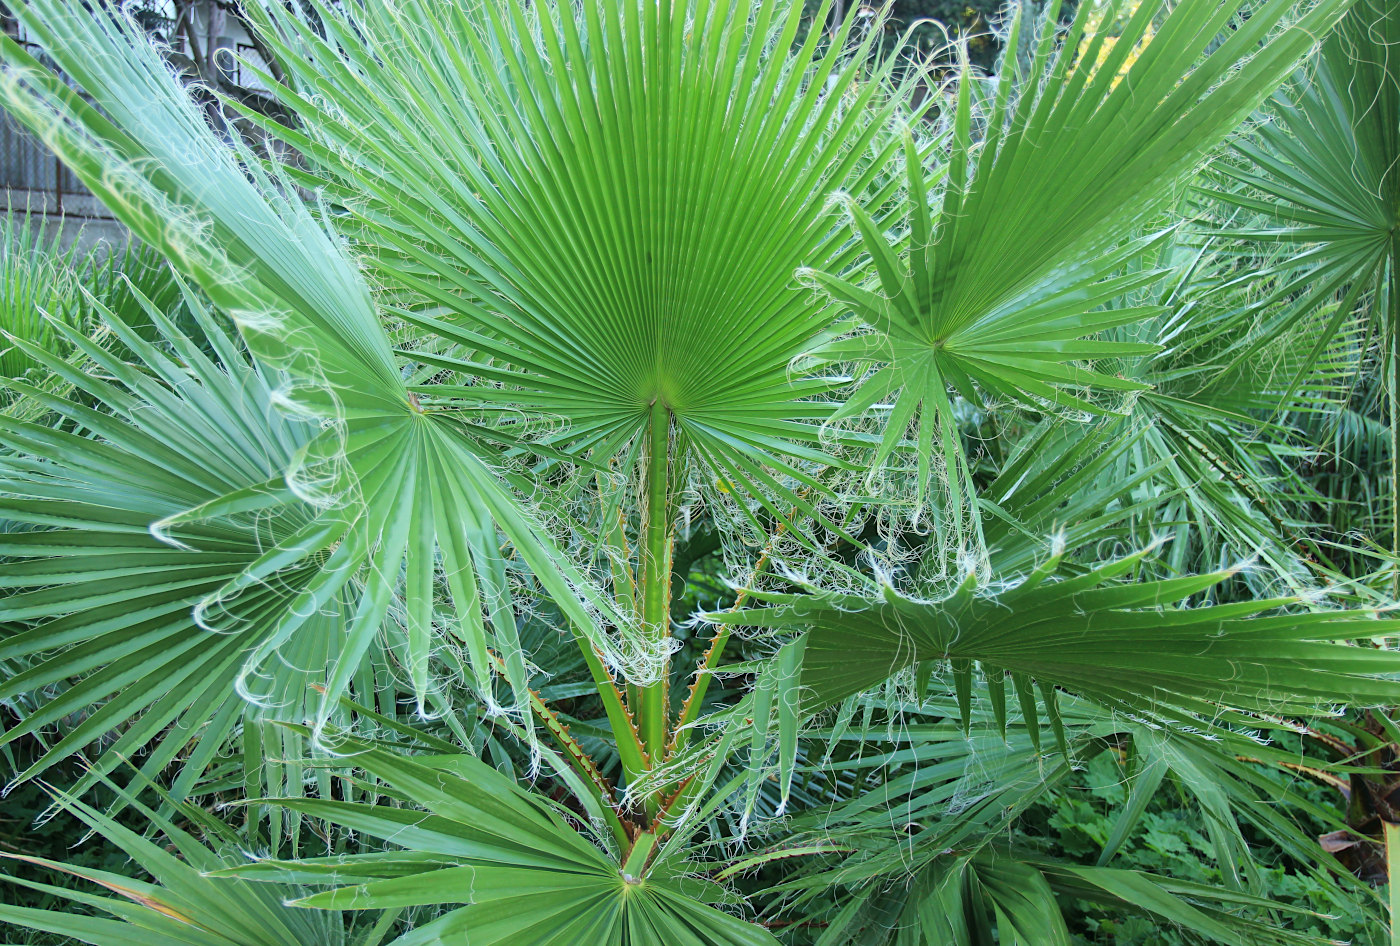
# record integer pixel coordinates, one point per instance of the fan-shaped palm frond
(1001, 291)
(1323, 163)
(1113, 642)
(405, 485)
(1324, 169)
(524, 874)
(147, 558)
(616, 201)
(1212, 418)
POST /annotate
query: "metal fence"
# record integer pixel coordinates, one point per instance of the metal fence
(241, 75)
(34, 179)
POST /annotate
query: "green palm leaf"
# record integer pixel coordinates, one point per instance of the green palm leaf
(412, 492)
(1321, 177)
(523, 873)
(1323, 166)
(1118, 644)
(1007, 268)
(1199, 446)
(179, 905)
(995, 896)
(911, 828)
(157, 558)
(603, 204)
(35, 286)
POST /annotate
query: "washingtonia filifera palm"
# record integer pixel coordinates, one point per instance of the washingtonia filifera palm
(543, 304)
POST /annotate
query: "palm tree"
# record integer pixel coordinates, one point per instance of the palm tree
(549, 306)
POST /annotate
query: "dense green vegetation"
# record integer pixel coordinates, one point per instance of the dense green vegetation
(709, 473)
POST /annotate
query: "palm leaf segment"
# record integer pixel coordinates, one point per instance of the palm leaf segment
(405, 494)
(1115, 643)
(605, 202)
(1001, 290)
